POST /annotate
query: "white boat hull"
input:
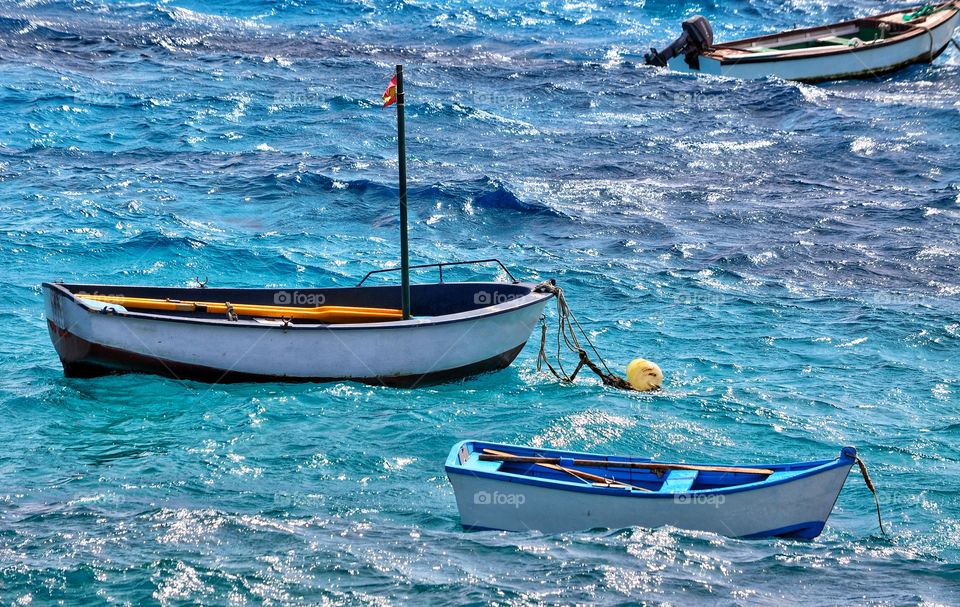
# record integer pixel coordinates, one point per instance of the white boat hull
(868, 60)
(91, 342)
(772, 510)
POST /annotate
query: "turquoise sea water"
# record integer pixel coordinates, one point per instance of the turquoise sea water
(787, 253)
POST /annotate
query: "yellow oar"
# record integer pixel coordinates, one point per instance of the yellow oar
(327, 314)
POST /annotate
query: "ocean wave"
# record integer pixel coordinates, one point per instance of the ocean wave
(787, 253)
(482, 193)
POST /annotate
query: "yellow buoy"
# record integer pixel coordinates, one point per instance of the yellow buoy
(644, 375)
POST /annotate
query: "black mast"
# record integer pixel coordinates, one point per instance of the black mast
(402, 157)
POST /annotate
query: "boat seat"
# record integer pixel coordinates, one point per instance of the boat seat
(782, 474)
(841, 41)
(678, 481)
(472, 460)
(100, 306)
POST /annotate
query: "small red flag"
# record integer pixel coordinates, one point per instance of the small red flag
(390, 95)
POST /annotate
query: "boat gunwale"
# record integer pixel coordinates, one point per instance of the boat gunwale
(452, 466)
(818, 52)
(524, 301)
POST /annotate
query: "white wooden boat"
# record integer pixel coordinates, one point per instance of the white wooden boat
(457, 330)
(511, 488)
(860, 48)
(406, 335)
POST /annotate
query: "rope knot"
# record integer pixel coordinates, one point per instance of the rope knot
(548, 286)
(567, 330)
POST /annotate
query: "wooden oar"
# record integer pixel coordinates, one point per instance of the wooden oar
(499, 456)
(584, 476)
(327, 314)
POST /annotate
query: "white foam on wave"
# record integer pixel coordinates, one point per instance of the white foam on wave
(863, 145)
(852, 343)
(936, 251)
(587, 428)
(192, 17)
(723, 147)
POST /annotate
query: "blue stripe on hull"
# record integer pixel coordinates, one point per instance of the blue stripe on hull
(801, 531)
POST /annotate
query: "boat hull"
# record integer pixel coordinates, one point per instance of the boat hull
(796, 508)
(94, 342)
(866, 61)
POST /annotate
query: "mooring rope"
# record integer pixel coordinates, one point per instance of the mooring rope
(567, 328)
(872, 488)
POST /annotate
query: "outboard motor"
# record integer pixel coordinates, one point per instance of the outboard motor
(696, 38)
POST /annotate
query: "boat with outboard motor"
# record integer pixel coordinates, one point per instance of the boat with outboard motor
(859, 48)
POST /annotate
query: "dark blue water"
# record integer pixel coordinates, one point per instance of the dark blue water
(787, 253)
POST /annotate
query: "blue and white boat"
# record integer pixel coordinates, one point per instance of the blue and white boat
(512, 488)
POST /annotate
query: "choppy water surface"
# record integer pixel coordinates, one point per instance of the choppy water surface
(787, 253)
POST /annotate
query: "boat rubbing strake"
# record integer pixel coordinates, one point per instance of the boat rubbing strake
(860, 48)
